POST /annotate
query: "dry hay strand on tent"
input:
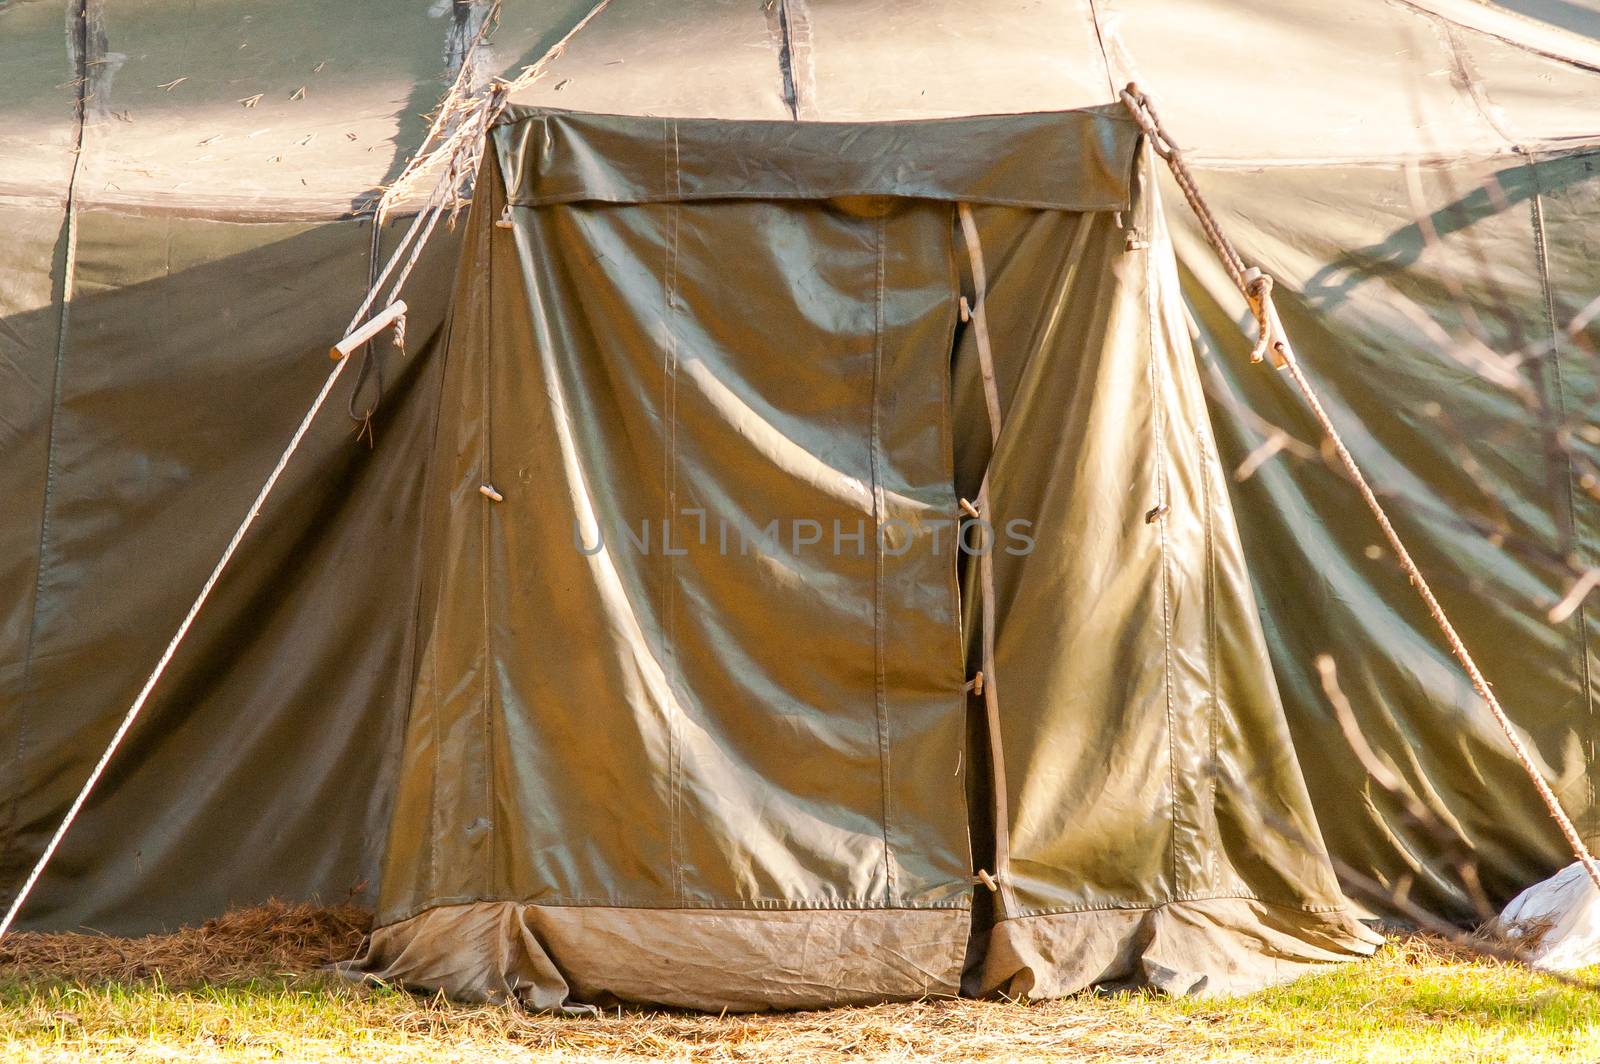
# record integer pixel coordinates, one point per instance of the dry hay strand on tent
(275, 938)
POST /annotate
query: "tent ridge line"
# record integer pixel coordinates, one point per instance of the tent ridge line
(779, 10)
(1100, 40)
(1467, 75)
(1489, 14)
(1576, 144)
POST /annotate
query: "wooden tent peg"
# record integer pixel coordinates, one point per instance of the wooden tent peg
(372, 327)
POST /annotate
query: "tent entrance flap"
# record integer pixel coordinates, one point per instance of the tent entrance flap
(694, 686)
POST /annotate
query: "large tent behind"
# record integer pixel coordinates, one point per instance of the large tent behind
(1445, 148)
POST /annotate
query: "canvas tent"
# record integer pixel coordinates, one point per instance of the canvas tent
(731, 282)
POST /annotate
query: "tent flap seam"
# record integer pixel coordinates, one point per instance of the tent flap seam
(80, 24)
(1542, 259)
(879, 508)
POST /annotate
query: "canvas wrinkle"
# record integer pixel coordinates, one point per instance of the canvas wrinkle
(785, 451)
(786, 78)
(802, 68)
(1466, 78)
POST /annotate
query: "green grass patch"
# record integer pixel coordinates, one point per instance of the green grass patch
(1413, 1002)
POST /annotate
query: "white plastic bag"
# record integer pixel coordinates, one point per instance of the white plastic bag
(1556, 921)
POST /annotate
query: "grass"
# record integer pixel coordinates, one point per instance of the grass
(145, 1000)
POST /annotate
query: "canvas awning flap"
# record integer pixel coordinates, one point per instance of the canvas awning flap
(1066, 160)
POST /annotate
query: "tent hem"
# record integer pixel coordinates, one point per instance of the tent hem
(1182, 899)
(574, 958)
(960, 903)
(1209, 948)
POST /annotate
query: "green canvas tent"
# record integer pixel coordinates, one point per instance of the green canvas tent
(635, 656)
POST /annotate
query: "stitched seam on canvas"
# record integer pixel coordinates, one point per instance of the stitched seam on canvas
(1158, 428)
(1542, 258)
(674, 710)
(880, 695)
(486, 675)
(68, 276)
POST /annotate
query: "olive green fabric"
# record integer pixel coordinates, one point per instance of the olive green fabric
(693, 664)
(152, 437)
(167, 290)
(636, 690)
(154, 357)
(167, 297)
(1302, 120)
(1147, 759)
(576, 958)
(36, 141)
(267, 110)
(1071, 160)
(1419, 310)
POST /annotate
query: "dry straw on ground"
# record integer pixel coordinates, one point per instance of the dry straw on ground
(278, 938)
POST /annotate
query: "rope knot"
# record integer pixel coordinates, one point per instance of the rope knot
(1270, 337)
(1144, 113)
(1255, 285)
